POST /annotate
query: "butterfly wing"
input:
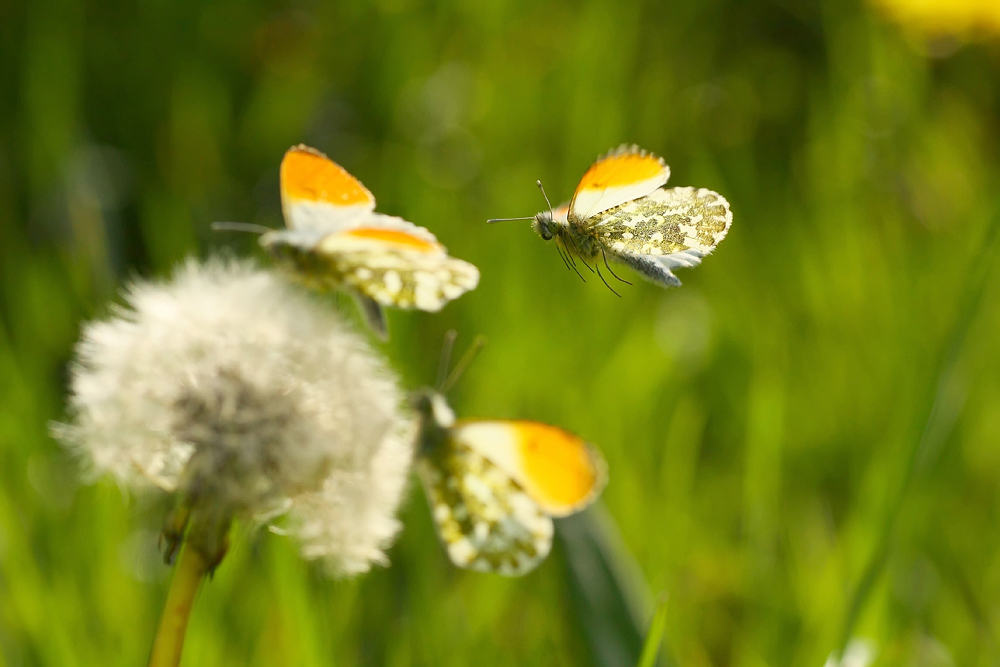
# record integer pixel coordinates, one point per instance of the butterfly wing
(561, 213)
(624, 174)
(485, 519)
(398, 264)
(319, 194)
(383, 258)
(558, 470)
(667, 229)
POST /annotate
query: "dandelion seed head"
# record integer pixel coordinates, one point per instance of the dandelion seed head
(242, 393)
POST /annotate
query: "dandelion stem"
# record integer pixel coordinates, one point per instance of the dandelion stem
(190, 569)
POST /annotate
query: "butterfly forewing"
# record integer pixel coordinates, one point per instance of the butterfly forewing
(558, 470)
(624, 174)
(317, 193)
(485, 519)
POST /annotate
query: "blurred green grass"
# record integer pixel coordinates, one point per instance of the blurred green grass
(758, 421)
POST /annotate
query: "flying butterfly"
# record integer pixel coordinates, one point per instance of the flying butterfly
(621, 210)
(335, 240)
(494, 486)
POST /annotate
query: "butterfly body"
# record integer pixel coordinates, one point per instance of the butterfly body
(570, 237)
(336, 241)
(494, 485)
(621, 212)
(294, 251)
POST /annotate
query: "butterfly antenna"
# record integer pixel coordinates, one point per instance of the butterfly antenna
(492, 220)
(608, 267)
(463, 363)
(240, 227)
(606, 282)
(527, 217)
(445, 361)
(548, 203)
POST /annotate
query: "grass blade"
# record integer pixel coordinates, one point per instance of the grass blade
(654, 637)
(609, 594)
(938, 423)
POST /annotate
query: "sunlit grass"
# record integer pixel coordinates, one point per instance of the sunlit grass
(759, 422)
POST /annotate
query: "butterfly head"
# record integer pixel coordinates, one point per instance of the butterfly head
(295, 252)
(434, 414)
(545, 225)
(552, 222)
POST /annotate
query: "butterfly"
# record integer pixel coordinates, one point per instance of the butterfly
(335, 240)
(493, 486)
(621, 210)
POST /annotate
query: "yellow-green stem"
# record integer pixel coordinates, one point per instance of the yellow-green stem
(190, 569)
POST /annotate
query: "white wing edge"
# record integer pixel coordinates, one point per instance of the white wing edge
(323, 216)
(589, 203)
(657, 268)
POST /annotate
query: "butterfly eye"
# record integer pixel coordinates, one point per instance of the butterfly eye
(541, 225)
(543, 229)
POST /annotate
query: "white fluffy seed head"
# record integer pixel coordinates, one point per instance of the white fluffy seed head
(243, 394)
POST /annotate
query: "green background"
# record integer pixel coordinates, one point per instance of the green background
(804, 439)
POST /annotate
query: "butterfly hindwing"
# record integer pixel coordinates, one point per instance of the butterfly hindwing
(623, 174)
(485, 519)
(667, 229)
(396, 263)
(400, 281)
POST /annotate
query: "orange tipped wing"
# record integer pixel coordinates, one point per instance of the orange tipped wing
(317, 193)
(624, 174)
(558, 470)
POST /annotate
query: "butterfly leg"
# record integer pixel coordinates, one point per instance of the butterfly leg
(374, 315)
(561, 256)
(606, 282)
(566, 261)
(608, 267)
(568, 256)
(577, 248)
